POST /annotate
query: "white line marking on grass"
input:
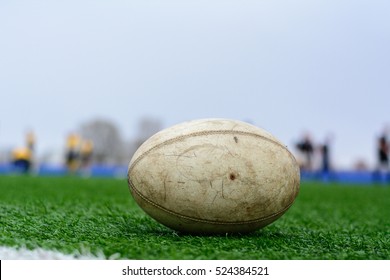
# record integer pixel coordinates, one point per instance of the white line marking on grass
(7, 253)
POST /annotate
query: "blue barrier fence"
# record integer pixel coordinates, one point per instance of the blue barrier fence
(348, 177)
(120, 171)
(60, 170)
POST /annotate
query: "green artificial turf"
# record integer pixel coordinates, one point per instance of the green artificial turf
(71, 214)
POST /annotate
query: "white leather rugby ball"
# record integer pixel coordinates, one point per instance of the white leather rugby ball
(214, 176)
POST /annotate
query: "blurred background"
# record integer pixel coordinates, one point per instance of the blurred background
(84, 83)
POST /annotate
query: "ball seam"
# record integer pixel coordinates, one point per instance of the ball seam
(207, 221)
(204, 133)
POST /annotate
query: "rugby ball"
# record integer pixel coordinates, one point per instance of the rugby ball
(214, 176)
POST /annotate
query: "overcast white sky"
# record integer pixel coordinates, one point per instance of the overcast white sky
(288, 66)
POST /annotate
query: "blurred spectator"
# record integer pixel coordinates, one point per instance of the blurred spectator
(21, 159)
(72, 152)
(30, 144)
(383, 153)
(382, 169)
(305, 147)
(30, 140)
(86, 151)
(325, 169)
(325, 164)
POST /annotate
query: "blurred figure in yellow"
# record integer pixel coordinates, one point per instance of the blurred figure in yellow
(21, 159)
(72, 152)
(86, 151)
(30, 144)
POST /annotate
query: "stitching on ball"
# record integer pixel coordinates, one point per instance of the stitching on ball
(201, 220)
(205, 133)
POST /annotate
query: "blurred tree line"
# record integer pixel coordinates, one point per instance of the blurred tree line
(109, 145)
